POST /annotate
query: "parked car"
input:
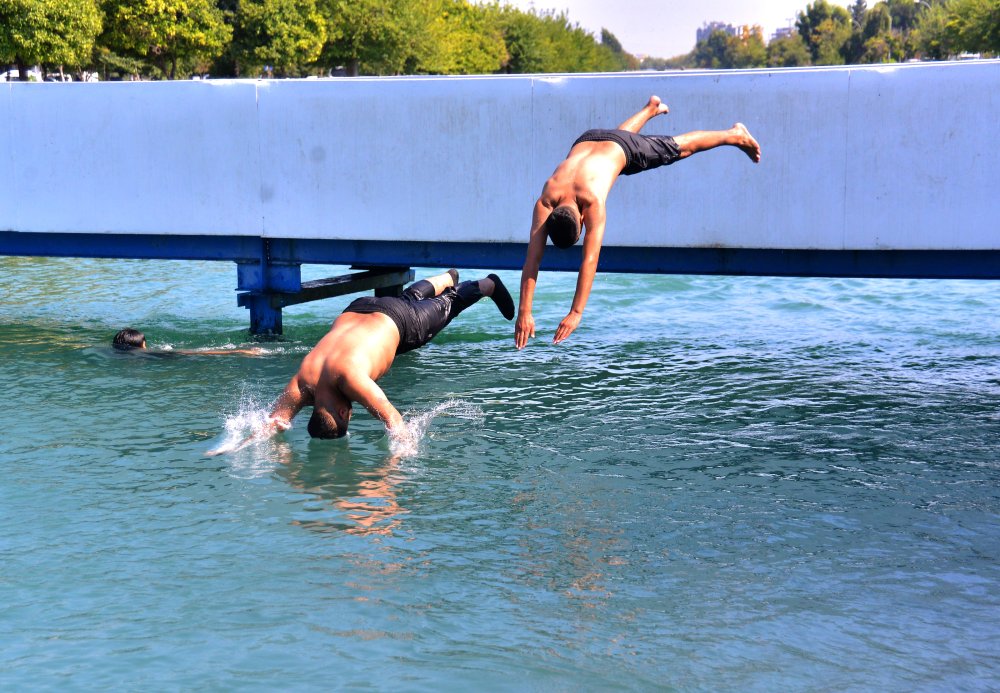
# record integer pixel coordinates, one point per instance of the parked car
(14, 75)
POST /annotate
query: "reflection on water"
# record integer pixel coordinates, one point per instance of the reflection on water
(362, 495)
(406, 441)
(345, 494)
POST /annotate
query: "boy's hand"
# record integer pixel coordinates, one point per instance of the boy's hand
(524, 329)
(566, 327)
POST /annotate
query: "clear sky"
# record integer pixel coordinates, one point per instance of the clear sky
(663, 28)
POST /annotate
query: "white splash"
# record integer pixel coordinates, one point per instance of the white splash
(248, 425)
(405, 441)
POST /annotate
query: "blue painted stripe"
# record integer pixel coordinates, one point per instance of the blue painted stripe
(938, 264)
(142, 246)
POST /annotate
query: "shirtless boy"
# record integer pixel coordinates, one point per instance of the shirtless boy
(577, 190)
(343, 367)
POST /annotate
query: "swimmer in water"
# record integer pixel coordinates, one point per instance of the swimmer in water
(343, 367)
(577, 190)
(131, 339)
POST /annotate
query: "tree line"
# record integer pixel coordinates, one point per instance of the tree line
(828, 34)
(170, 39)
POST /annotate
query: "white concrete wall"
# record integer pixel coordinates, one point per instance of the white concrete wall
(898, 157)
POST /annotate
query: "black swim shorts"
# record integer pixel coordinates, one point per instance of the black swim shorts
(419, 314)
(642, 152)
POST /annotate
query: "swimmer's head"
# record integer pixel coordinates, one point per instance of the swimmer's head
(129, 338)
(563, 226)
(322, 424)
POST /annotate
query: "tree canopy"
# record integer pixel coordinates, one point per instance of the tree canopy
(891, 30)
(169, 39)
(48, 32)
(164, 35)
(286, 36)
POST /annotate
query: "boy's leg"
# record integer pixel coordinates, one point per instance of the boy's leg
(467, 293)
(655, 107)
(432, 286)
(439, 311)
(702, 140)
(460, 297)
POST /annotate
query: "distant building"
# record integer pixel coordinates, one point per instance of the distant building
(783, 32)
(708, 28)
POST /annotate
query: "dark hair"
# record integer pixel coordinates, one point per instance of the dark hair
(323, 425)
(129, 338)
(563, 227)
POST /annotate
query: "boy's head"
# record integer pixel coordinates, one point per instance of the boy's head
(325, 424)
(129, 338)
(563, 226)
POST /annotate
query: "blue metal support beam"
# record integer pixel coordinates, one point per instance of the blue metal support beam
(779, 262)
(269, 270)
(261, 279)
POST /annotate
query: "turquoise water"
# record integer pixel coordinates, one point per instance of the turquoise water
(717, 484)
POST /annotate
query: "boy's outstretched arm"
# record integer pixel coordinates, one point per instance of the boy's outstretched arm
(593, 220)
(525, 325)
(367, 393)
(289, 403)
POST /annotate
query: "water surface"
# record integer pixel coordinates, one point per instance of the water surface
(716, 484)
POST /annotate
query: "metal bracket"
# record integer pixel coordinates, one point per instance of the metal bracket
(386, 281)
(270, 287)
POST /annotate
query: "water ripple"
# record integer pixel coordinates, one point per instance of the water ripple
(716, 483)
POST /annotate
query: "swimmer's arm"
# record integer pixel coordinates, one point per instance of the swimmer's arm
(280, 419)
(525, 325)
(255, 351)
(368, 394)
(288, 404)
(593, 219)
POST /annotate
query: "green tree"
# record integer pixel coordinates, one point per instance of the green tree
(611, 41)
(859, 11)
(854, 47)
(47, 32)
(788, 51)
(460, 37)
(932, 36)
(528, 49)
(748, 49)
(950, 27)
(286, 34)
(675, 63)
(713, 52)
(573, 49)
(825, 29)
(169, 35)
(879, 49)
(903, 15)
(625, 60)
(975, 25)
(723, 51)
(373, 37)
(876, 36)
(465, 39)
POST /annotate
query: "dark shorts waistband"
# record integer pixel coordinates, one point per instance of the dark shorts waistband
(418, 314)
(642, 152)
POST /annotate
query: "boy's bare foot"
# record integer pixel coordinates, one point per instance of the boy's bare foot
(657, 106)
(745, 141)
